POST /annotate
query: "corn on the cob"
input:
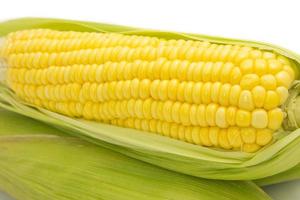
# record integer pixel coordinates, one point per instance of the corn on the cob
(226, 96)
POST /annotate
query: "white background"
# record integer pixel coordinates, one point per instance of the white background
(273, 21)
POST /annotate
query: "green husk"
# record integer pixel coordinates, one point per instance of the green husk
(289, 175)
(40, 162)
(280, 156)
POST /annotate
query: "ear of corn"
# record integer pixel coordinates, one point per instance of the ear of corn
(35, 165)
(149, 84)
(193, 89)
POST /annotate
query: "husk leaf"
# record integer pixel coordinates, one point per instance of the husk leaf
(40, 162)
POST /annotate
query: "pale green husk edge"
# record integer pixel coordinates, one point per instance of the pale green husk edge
(178, 156)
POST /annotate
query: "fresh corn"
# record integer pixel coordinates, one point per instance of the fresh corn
(217, 98)
(226, 96)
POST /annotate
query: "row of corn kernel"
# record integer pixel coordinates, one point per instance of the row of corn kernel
(90, 42)
(109, 39)
(181, 70)
(112, 71)
(102, 55)
(186, 114)
(181, 113)
(232, 137)
(190, 92)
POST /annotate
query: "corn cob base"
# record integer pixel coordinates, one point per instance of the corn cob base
(195, 91)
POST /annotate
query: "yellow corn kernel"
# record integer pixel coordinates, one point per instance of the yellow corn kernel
(269, 55)
(144, 89)
(215, 91)
(213, 134)
(201, 115)
(153, 125)
(162, 90)
(224, 94)
(254, 54)
(188, 92)
(191, 74)
(247, 66)
(185, 114)
(196, 93)
(167, 109)
(231, 115)
(153, 89)
(193, 114)
(225, 73)
(259, 118)
(204, 137)
(283, 94)
(271, 100)
(87, 110)
(206, 93)
(240, 56)
(246, 100)
(207, 71)
(275, 117)
(159, 130)
(188, 134)
(260, 67)
(145, 127)
(216, 71)
(197, 72)
(223, 139)
(268, 81)
(173, 129)
(221, 117)
(234, 95)
(290, 71)
(180, 91)
(165, 70)
(216, 53)
(225, 51)
(147, 109)
(248, 135)
(249, 81)
(259, 95)
(235, 76)
(209, 51)
(211, 110)
(250, 148)
(283, 79)
(196, 135)
(274, 66)
(263, 137)
(243, 118)
(234, 137)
